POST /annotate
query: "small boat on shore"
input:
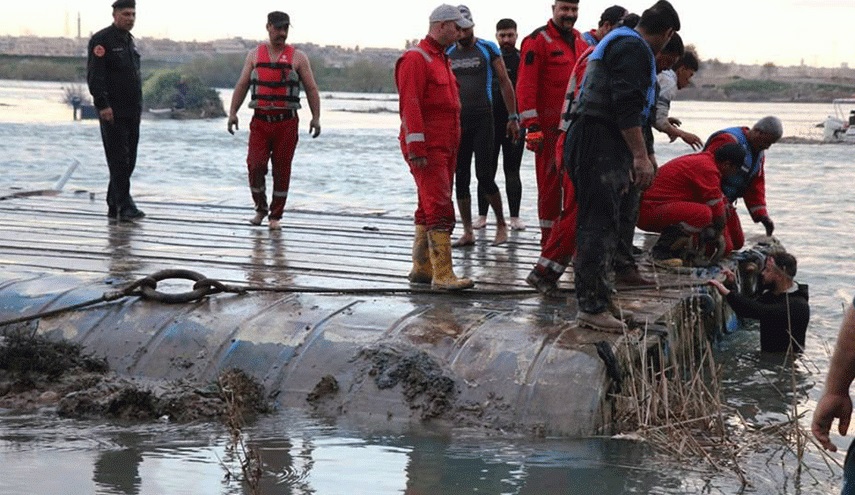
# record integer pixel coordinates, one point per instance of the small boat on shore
(840, 127)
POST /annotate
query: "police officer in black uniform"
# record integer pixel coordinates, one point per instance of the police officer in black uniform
(113, 74)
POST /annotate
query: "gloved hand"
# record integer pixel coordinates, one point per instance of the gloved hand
(768, 223)
(534, 139)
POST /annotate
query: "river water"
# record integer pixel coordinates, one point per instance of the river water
(355, 165)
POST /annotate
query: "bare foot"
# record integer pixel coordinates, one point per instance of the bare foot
(517, 224)
(501, 234)
(479, 223)
(467, 239)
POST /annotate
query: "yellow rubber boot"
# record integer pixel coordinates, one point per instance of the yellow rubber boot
(440, 257)
(422, 272)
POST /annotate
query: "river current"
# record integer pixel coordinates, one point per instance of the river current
(356, 165)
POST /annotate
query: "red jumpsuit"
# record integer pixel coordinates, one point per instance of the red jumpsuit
(557, 252)
(546, 61)
(686, 192)
(275, 140)
(755, 194)
(429, 106)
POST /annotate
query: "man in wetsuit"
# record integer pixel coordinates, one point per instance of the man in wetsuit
(113, 76)
(782, 308)
(475, 62)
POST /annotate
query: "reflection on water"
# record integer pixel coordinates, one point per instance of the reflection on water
(356, 166)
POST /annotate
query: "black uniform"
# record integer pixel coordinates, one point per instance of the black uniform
(113, 74)
(600, 163)
(783, 317)
(512, 151)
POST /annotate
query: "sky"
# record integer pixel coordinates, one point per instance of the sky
(817, 33)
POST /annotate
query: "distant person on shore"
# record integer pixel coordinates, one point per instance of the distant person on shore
(836, 402)
(670, 80)
(782, 308)
(685, 203)
(113, 76)
(548, 55)
(750, 183)
(274, 71)
(475, 62)
(181, 90)
(429, 106)
(510, 146)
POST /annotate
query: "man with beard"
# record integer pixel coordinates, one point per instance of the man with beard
(429, 107)
(510, 146)
(548, 56)
(782, 308)
(475, 62)
(113, 76)
(607, 154)
(274, 71)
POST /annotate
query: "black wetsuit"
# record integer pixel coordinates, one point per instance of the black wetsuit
(777, 325)
(512, 152)
(113, 74)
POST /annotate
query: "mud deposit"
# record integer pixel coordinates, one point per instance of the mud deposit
(38, 373)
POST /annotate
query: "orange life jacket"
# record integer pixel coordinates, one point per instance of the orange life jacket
(274, 85)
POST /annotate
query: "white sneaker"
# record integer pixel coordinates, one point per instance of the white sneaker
(479, 223)
(516, 224)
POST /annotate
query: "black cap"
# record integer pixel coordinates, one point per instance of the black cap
(124, 4)
(278, 19)
(613, 15)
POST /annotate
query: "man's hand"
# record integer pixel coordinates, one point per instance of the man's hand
(643, 171)
(233, 122)
(831, 406)
(315, 128)
(674, 121)
(534, 140)
(692, 140)
(106, 114)
(512, 130)
(719, 286)
(768, 223)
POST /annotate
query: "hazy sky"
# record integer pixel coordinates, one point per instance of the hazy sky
(785, 32)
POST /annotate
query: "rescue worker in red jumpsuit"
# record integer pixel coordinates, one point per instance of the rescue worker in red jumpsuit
(685, 201)
(557, 252)
(274, 71)
(547, 58)
(429, 106)
(750, 183)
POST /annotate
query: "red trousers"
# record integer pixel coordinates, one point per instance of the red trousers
(274, 142)
(557, 252)
(549, 184)
(434, 184)
(691, 217)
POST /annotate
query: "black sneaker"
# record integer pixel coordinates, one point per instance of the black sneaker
(132, 215)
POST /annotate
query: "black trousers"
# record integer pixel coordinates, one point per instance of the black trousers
(476, 137)
(120, 139)
(512, 153)
(600, 164)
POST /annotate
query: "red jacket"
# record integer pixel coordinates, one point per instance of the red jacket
(429, 104)
(693, 178)
(546, 62)
(755, 193)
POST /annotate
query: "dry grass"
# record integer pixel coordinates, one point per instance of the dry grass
(671, 398)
